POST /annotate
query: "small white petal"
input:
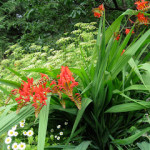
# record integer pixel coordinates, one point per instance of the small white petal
(61, 133)
(14, 127)
(22, 146)
(66, 123)
(58, 138)
(11, 133)
(59, 126)
(23, 121)
(8, 146)
(21, 125)
(8, 140)
(52, 130)
(30, 133)
(24, 132)
(14, 146)
(15, 133)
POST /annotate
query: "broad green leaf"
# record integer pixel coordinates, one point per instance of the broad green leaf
(115, 26)
(144, 146)
(135, 68)
(132, 138)
(10, 83)
(83, 146)
(57, 147)
(4, 90)
(68, 110)
(52, 73)
(138, 87)
(18, 74)
(128, 54)
(43, 121)
(85, 103)
(128, 107)
(13, 118)
(5, 107)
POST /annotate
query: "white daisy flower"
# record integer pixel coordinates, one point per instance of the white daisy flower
(23, 121)
(22, 146)
(24, 132)
(15, 133)
(59, 126)
(21, 125)
(65, 123)
(30, 133)
(8, 146)
(52, 130)
(15, 146)
(11, 133)
(58, 138)
(55, 136)
(8, 140)
(61, 133)
(14, 127)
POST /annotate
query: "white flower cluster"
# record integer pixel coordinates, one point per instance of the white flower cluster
(22, 123)
(16, 146)
(13, 133)
(58, 136)
(28, 133)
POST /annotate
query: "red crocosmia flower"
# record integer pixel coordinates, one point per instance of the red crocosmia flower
(98, 12)
(65, 85)
(53, 82)
(118, 37)
(101, 7)
(141, 5)
(122, 52)
(44, 76)
(66, 81)
(142, 19)
(36, 94)
(127, 31)
(39, 97)
(25, 91)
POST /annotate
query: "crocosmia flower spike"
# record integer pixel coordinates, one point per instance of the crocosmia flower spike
(142, 19)
(98, 12)
(142, 5)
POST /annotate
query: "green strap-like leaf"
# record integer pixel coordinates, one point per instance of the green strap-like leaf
(83, 146)
(128, 54)
(85, 103)
(10, 83)
(128, 107)
(18, 74)
(13, 118)
(43, 120)
(132, 138)
(138, 87)
(144, 146)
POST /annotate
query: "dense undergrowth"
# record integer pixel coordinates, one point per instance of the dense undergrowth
(100, 102)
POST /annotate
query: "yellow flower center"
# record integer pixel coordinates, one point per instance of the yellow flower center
(21, 146)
